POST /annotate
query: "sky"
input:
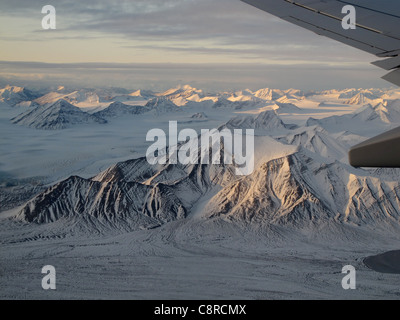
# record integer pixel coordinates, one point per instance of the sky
(158, 44)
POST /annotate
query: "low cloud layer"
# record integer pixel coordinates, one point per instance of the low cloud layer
(205, 76)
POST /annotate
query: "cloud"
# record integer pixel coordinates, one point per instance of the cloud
(266, 50)
(221, 23)
(205, 76)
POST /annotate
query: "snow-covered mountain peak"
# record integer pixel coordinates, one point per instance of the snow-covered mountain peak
(118, 109)
(266, 121)
(142, 94)
(361, 98)
(13, 95)
(58, 115)
(161, 105)
(268, 94)
(317, 140)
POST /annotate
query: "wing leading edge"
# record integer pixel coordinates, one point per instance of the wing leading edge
(377, 29)
(377, 32)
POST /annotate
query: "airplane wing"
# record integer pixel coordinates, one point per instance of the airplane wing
(377, 32)
(381, 151)
(377, 27)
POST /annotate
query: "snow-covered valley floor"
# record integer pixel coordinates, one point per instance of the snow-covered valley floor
(194, 260)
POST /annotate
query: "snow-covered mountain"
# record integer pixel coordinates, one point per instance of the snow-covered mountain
(267, 122)
(381, 115)
(118, 109)
(129, 195)
(289, 99)
(268, 94)
(199, 116)
(59, 115)
(301, 190)
(316, 140)
(243, 96)
(362, 98)
(236, 104)
(301, 215)
(371, 94)
(295, 93)
(161, 105)
(12, 95)
(301, 176)
(281, 108)
(145, 94)
(348, 93)
(75, 97)
(182, 94)
(138, 95)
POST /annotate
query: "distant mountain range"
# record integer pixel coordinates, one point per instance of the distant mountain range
(115, 103)
(180, 95)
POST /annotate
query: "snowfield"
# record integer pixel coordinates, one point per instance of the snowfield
(77, 192)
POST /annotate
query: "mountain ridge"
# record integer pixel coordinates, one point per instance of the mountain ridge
(56, 116)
